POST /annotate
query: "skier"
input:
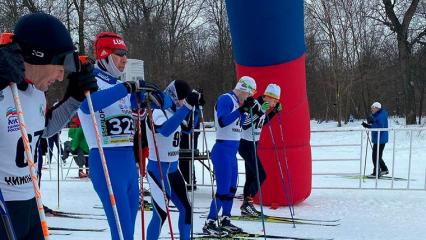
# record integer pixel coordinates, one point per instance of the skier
(40, 52)
(112, 105)
(79, 147)
(378, 119)
(228, 113)
(269, 100)
(167, 133)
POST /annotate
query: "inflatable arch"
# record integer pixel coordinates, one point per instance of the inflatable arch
(268, 45)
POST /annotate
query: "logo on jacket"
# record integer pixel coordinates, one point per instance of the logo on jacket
(12, 119)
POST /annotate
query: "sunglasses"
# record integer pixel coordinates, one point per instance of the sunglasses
(120, 52)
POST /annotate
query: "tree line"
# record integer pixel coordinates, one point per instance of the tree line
(358, 51)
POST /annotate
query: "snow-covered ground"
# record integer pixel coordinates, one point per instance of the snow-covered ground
(363, 214)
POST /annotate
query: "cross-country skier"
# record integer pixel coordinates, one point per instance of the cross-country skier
(246, 149)
(113, 111)
(378, 119)
(228, 111)
(40, 52)
(167, 134)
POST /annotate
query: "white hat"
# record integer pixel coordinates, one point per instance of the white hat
(376, 105)
(246, 84)
(273, 91)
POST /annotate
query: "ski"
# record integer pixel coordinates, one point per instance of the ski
(148, 207)
(63, 215)
(59, 234)
(303, 219)
(75, 213)
(374, 177)
(282, 220)
(77, 229)
(247, 235)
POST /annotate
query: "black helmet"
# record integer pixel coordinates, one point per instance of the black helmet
(44, 40)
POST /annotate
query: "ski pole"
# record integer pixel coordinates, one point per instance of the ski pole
(141, 164)
(157, 154)
(280, 169)
(365, 158)
(29, 155)
(257, 173)
(286, 162)
(104, 165)
(191, 170)
(8, 226)
(203, 125)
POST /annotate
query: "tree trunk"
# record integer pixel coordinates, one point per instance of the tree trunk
(422, 97)
(409, 100)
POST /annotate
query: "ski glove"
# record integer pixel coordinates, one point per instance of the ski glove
(201, 101)
(82, 81)
(264, 107)
(366, 125)
(278, 107)
(157, 98)
(11, 65)
(247, 105)
(140, 85)
(370, 120)
(193, 98)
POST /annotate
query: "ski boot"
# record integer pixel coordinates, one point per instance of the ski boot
(211, 229)
(248, 209)
(225, 224)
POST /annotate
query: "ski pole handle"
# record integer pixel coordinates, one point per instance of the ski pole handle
(29, 156)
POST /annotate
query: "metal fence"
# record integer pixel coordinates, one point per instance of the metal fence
(338, 163)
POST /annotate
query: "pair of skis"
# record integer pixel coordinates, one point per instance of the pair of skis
(288, 220)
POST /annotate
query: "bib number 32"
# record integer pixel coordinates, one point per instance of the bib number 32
(120, 125)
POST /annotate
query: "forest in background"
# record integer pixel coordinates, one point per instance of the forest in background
(358, 51)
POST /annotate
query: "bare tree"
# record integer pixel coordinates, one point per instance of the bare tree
(401, 27)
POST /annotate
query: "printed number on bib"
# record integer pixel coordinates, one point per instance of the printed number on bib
(20, 150)
(176, 139)
(119, 125)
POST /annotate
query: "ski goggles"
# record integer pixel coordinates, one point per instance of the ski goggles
(69, 60)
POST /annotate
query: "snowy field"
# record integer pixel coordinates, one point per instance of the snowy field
(364, 213)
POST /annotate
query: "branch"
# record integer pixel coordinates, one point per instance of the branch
(409, 15)
(30, 5)
(419, 37)
(390, 13)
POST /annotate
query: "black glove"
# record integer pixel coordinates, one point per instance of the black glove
(278, 107)
(247, 105)
(201, 101)
(193, 98)
(364, 124)
(140, 85)
(82, 81)
(370, 120)
(156, 97)
(11, 65)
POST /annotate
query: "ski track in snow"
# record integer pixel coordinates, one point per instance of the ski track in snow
(364, 214)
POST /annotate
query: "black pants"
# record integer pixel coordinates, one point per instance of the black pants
(382, 164)
(184, 164)
(25, 220)
(246, 150)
